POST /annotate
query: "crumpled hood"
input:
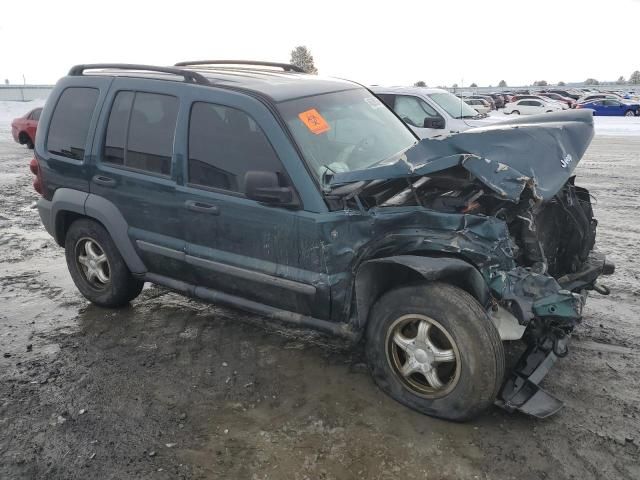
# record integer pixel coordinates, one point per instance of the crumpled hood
(541, 150)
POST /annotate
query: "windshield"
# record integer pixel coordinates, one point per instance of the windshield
(453, 105)
(345, 131)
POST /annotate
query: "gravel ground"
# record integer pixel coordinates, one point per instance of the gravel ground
(171, 388)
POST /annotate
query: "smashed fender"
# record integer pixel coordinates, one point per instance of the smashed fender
(541, 151)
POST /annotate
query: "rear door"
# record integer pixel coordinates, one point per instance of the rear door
(135, 169)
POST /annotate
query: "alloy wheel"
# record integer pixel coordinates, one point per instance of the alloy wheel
(423, 355)
(93, 263)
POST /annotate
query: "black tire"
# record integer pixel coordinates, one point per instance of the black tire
(516, 112)
(479, 366)
(629, 113)
(25, 139)
(121, 286)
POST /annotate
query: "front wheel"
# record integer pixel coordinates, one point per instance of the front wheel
(96, 266)
(433, 348)
(516, 112)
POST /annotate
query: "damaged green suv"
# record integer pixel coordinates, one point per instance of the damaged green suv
(308, 201)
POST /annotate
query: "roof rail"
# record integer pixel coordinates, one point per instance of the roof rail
(287, 67)
(189, 76)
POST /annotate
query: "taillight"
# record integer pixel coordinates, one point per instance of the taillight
(35, 169)
(578, 106)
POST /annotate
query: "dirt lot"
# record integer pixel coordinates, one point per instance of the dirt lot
(171, 388)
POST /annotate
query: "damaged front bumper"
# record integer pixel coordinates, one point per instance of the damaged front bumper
(548, 309)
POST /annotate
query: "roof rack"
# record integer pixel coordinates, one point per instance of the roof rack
(189, 76)
(287, 67)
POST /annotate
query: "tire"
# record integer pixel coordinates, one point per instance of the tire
(629, 113)
(458, 327)
(25, 140)
(107, 281)
(516, 112)
(549, 111)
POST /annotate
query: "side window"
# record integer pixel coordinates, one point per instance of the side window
(224, 144)
(413, 110)
(612, 103)
(387, 99)
(141, 130)
(69, 125)
(533, 103)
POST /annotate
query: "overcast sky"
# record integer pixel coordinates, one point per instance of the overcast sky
(386, 43)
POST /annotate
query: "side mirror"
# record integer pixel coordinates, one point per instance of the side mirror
(265, 187)
(437, 123)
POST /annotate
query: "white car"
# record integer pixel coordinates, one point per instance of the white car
(430, 112)
(531, 106)
(479, 105)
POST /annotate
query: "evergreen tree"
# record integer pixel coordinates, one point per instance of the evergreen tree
(301, 57)
(473, 85)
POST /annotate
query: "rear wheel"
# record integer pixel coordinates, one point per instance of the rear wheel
(96, 266)
(629, 113)
(433, 348)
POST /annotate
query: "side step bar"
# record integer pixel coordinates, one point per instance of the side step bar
(342, 330)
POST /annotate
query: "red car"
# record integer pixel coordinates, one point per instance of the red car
(24, 128)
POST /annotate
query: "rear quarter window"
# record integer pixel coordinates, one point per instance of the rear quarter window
(70, 122)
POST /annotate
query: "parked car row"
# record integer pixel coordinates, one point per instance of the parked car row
(531, 102)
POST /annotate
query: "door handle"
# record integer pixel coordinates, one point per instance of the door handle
(202, 207)
(104, 181)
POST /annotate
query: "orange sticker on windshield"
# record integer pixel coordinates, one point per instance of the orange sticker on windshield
(314, 121)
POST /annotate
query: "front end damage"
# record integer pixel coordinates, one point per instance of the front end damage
(503, 199)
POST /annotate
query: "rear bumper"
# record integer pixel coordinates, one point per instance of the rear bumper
(44, 210)
(15, 134)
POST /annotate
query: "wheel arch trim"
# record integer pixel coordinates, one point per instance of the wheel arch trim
(377, 276)
(98, 208)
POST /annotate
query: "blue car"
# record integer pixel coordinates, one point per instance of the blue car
(610, 107)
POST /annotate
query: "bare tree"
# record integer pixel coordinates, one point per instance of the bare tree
(301, 57)
(591, 81)
(621, 80)
(419, 83)
(502, 84)
(561, 83)
(635, 78)
(540, 83)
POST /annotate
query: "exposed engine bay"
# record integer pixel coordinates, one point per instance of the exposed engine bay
(553, 237)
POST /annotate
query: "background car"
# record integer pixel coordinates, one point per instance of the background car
(530, 106)
(570, 102)
(611, 107)
(24, 128)
(430, 112)
(478, 104)
(498, 99)
(565, 93)
(598, 96)
(563, 106)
